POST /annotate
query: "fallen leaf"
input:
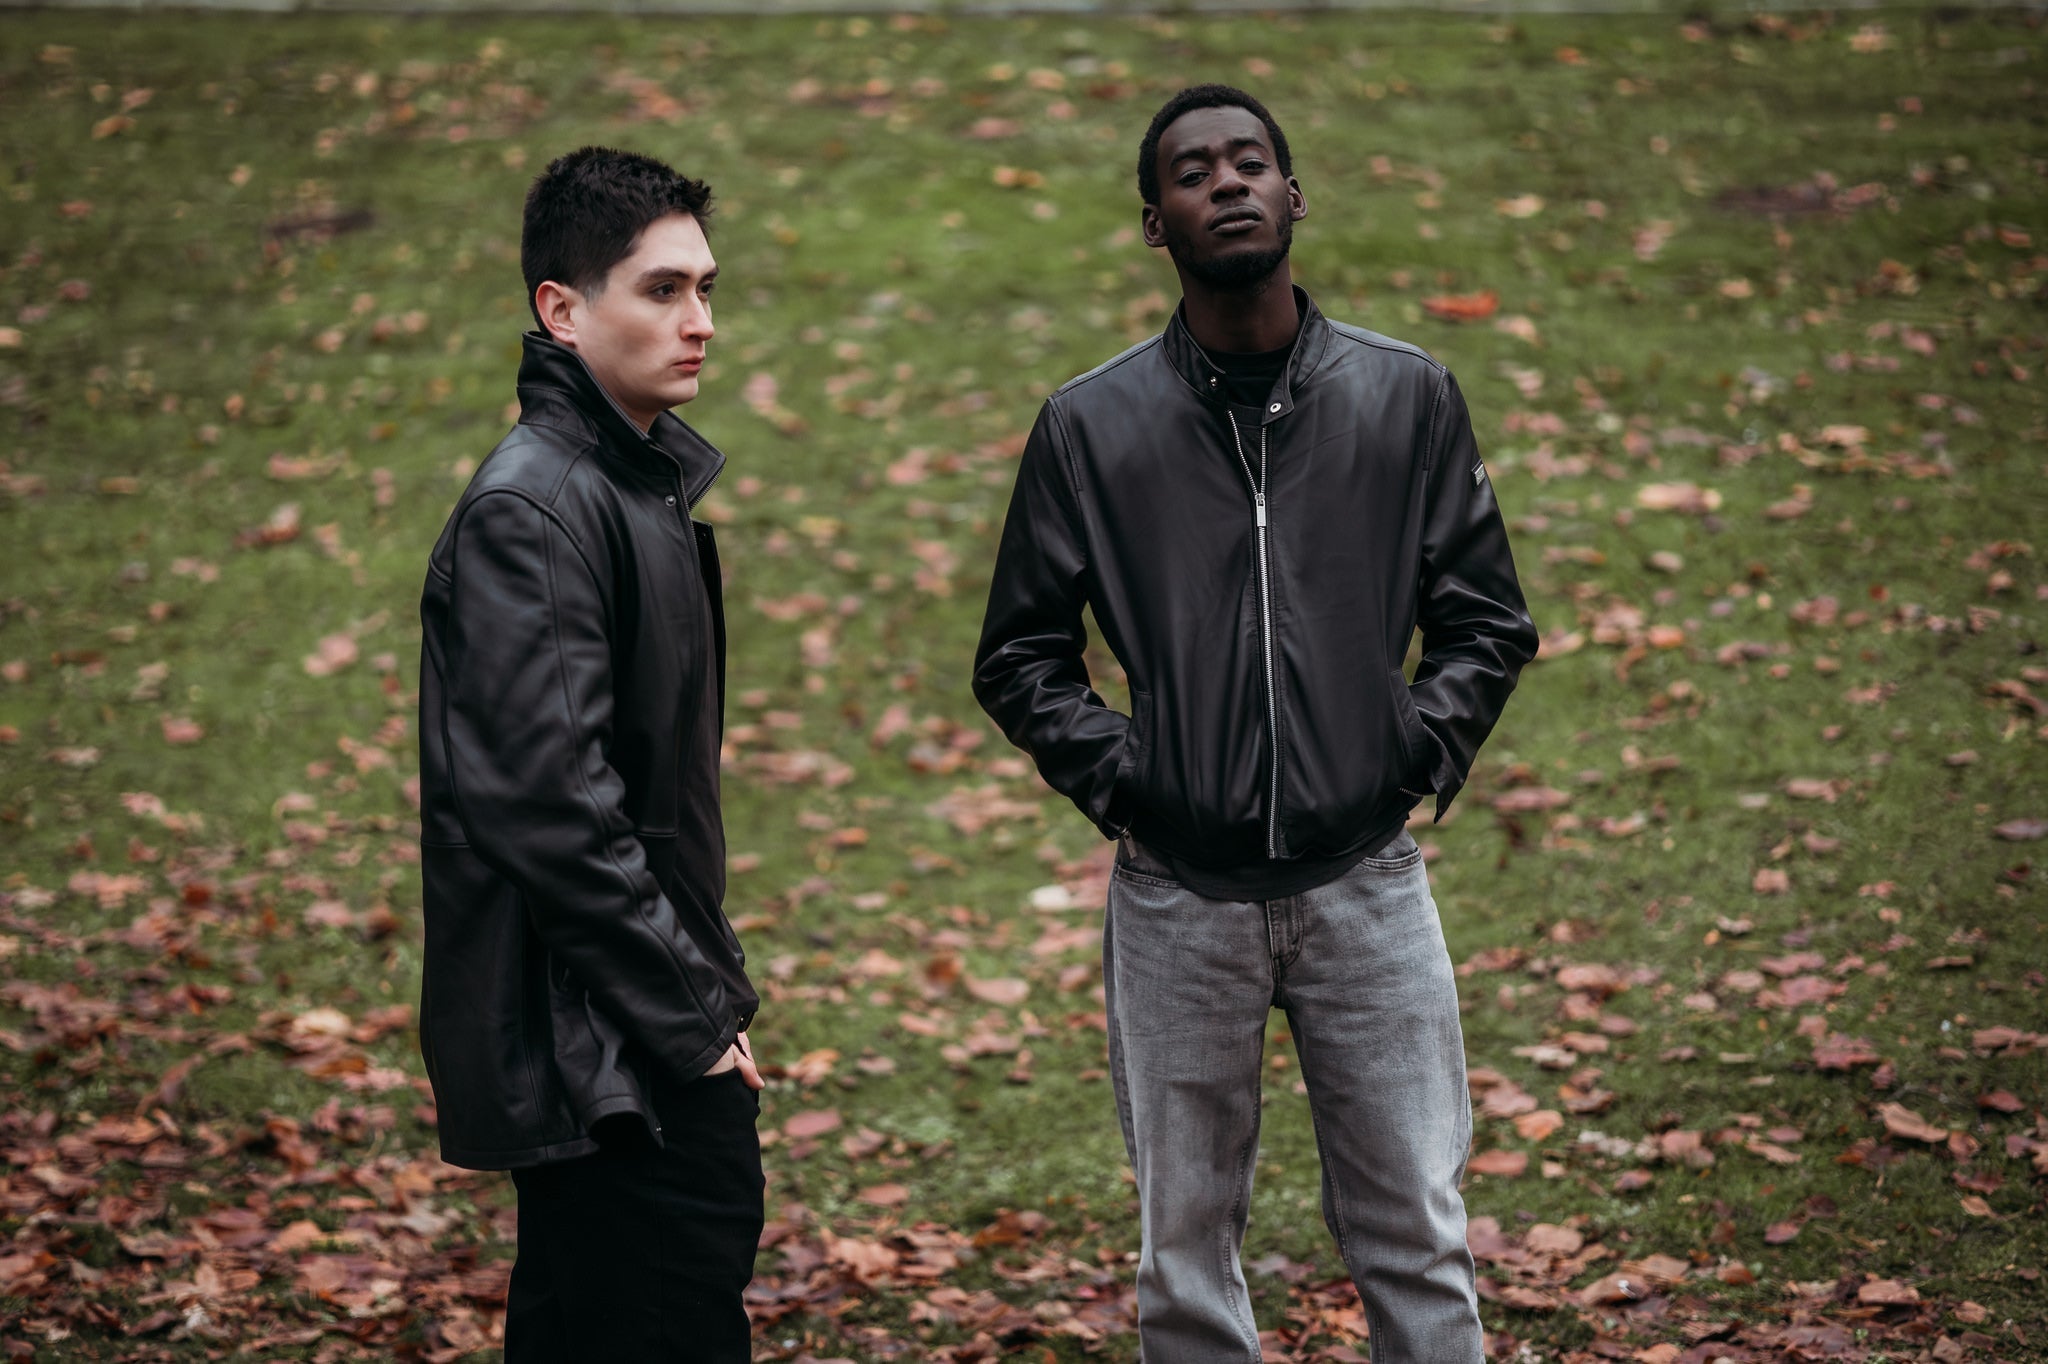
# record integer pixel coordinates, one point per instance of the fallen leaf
(330, 655)
(815, 1123)
(1887, 1293)
(1507, 1164)
(178, 730)
(885, 1195)
(1006, 990)
(1462, 307)
(1687, 498)
(1902, 1121)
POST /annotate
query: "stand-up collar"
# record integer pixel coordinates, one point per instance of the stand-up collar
(1193, 364)
(551, 375)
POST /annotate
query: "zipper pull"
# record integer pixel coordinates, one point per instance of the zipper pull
(1259, 504)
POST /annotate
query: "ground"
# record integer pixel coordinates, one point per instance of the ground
(1746, 891)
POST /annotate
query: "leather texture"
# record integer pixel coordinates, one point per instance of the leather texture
(572, 683)
(1132, 501)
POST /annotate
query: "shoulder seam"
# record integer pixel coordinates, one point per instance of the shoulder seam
(553, 517)
(1107, 365)
(1387, 343)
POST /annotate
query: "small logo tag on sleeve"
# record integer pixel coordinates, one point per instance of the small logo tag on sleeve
(1479, 475)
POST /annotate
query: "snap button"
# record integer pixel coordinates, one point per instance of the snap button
(1274, 408)
(671, 499)
(1212, 381)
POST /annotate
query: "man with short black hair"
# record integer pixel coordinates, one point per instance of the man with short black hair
(1260, 506)
(585, 1002)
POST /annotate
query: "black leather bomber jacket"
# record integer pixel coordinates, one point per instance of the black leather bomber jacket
(571, 702)
(1263, 634)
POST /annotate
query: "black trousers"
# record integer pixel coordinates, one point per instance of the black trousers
(639, 1254)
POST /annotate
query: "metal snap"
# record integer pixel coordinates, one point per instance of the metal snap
(671, 499)
(1274, 408)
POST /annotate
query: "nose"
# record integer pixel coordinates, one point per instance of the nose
(696, 324)
(1228, 184)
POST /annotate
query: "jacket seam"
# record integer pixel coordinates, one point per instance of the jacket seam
(571, 444)
(1436, 408)
(1070, 473)
(1388, 344)
(583, 778)
(1114, 362)
(455, 800)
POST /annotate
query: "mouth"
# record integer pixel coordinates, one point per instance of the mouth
(1236, 222)
(689, 366)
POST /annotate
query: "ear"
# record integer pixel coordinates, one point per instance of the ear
(1150, 226)
(1297, 203)
(558, 306)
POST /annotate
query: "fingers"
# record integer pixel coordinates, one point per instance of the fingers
(726, 1062)
(749, 1072)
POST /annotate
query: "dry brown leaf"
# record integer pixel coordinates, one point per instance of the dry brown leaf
(1507, 1164)
(1902, 1121)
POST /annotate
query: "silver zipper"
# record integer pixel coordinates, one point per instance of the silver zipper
(1258, 490)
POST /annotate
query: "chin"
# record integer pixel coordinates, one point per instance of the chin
(673, 392)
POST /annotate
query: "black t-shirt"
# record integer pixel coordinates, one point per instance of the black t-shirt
(1248, 379)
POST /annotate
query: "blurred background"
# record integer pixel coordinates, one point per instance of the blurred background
(1745, 893)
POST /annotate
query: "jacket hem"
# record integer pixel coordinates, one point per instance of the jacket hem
(1385, 823)
(519, 1158)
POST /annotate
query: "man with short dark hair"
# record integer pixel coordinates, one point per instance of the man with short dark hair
(1260, 506)
(585, 1002)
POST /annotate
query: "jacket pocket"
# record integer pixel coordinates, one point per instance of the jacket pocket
(1126, 792)
(597, 1066)
(484, 1025)
(1418, 750)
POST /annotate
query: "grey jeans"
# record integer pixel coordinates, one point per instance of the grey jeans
(1359, 966)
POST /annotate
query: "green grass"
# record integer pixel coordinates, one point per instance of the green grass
(303, 243)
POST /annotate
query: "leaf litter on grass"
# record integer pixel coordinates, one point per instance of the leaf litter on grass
(1749, 953)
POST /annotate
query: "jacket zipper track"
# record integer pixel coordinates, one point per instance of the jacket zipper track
(1258, 491)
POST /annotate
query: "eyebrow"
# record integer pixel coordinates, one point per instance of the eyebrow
(1235, 144)
(655, 274)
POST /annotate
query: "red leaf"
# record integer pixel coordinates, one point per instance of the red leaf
(1462, 307)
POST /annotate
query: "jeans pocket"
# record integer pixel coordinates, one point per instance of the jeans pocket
(1399, 855)
(1136, 862)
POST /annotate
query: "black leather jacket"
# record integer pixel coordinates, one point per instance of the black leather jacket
(1263, 636)
(571, 698)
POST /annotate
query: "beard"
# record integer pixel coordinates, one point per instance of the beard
(1236, 271)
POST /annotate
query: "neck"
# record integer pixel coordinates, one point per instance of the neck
(1258, 317)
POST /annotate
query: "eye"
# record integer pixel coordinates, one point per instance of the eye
(665, 290)
(709, 285)
(1251, 167)
(1190, 177)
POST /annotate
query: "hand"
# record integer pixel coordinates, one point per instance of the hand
(740, 1056)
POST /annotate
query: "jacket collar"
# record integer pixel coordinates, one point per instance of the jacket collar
(1192, 363)
(552, 376)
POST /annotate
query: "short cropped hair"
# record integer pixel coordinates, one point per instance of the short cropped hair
(585, 212)
(1187, 101)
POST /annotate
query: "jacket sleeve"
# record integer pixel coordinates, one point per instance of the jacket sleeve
(1028, 671)
(1476, 631)
(528, 725)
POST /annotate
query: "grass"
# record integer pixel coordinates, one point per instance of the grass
(251, 264)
